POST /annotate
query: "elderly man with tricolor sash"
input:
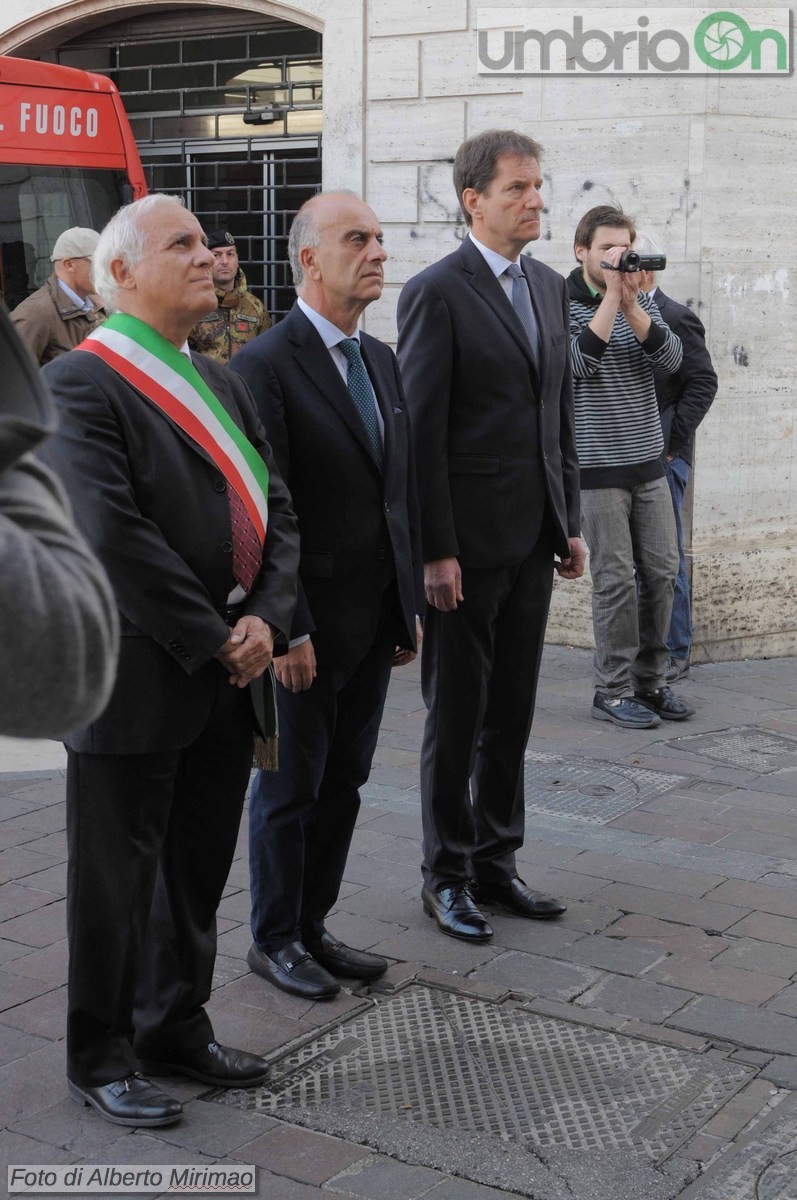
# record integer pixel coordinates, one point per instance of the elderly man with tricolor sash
(174, 486)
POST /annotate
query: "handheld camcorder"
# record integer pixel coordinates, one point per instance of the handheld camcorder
(631, 261)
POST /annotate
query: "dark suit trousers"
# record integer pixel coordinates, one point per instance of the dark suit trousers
(479, 674)
(151, 838)
(302, 818)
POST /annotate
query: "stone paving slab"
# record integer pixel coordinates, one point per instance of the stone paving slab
(785, 1002)
(711, 979)
(300, 1154)
(762, 1167)
(741, 1024)
(768, 928)
(611, 954)
(757, 895)
(520, 972)
(649, 875)
(650, 1002)
(689, 899)
(671, 906)
(669, 936)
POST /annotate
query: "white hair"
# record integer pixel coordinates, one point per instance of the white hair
(645, 243)
(123, 238)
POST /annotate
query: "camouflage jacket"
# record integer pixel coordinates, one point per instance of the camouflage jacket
(240, 316)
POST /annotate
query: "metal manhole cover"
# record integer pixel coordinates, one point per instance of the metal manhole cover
(459, 1063)
(587, 790)
(751, 749)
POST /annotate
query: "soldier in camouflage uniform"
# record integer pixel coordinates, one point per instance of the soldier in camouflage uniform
(240, 316)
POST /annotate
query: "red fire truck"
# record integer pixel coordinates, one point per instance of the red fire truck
(67, 157)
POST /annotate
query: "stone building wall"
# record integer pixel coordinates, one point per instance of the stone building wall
(706, 163)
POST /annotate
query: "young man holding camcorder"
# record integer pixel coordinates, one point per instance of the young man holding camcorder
(618, 338)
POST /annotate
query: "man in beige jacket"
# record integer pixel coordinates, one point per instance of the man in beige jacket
(64, 310)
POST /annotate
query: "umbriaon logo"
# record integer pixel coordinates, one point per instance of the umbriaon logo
(558, 41)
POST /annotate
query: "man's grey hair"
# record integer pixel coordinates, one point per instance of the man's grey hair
(305, 232)
(645, 243)
(123, 238)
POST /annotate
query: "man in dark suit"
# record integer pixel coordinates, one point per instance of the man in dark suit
(483, 348)
(168, 474)
(684, 399)
(331, 400)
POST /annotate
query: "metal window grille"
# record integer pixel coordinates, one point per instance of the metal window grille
(230, 119)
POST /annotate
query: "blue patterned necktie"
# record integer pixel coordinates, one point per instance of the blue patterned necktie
(362, 393)
(521, 302)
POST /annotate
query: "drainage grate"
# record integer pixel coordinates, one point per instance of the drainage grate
(588, 790)
(751, 749)
(455, 1062)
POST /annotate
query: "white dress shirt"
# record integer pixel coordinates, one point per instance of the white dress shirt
(330, 335)
(497, 264)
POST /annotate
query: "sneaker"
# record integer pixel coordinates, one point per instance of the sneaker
(666, 704)
(676, 668)
(623, 711)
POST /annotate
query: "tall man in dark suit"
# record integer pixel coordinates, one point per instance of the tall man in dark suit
(483, 347)
(331, 400)
(684, 399)
(176, 491)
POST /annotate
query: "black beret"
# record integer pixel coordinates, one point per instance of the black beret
(219, 237)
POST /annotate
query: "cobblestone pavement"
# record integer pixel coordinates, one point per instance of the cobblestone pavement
(645, 1045)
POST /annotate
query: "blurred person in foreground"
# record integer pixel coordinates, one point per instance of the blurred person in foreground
(58, 655)
(175, 488)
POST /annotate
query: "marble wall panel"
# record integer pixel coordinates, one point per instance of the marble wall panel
(387, 18)
(405, 132)
(394, 68)
(392, 189)
(450, 68)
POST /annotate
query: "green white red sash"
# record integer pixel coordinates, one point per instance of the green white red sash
(169, 379)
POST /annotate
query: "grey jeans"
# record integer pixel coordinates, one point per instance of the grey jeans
(633, 562)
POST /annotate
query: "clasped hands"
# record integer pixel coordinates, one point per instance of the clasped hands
(248, 650)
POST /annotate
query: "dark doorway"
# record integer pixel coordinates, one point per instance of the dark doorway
(226, 110)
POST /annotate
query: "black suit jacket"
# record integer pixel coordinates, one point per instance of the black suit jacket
(155, 509)
(357, 526)
(684, 398)
(493, 429)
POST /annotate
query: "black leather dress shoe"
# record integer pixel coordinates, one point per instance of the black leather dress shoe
(130, 1101)
(665, 704)
(293, 970)
(344, 960)
(455, 912)
(515, 896)
(218, 1065)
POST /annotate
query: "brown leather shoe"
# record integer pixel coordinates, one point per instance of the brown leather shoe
(516, 897)
(455, 912)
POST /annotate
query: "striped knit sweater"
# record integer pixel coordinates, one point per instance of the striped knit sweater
(618, 430)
